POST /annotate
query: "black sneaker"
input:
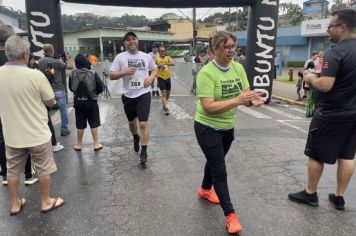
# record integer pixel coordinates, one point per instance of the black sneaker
(157, 93)
(305, 198)
(338, 202)
(137, 144)
(65, 133)
(143, 158)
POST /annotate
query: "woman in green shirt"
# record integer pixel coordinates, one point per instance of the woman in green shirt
(222, 85)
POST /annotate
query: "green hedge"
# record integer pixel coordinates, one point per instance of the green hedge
(296, 64)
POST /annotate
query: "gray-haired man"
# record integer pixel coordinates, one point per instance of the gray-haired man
(23, 107)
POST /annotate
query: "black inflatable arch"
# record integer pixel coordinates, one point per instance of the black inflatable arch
(44, 24)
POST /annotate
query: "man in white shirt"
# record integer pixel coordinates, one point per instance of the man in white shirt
(133, 66)
(154, 85)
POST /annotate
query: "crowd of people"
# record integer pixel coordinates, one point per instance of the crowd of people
(27, 95)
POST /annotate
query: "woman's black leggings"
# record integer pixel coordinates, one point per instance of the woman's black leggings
(215, 144)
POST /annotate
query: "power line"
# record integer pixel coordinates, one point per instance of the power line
(182, 13)
(202, 17)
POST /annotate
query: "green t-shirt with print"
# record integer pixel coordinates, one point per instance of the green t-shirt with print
(221, 85)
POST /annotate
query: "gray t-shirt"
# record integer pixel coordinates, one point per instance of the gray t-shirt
(58, 67)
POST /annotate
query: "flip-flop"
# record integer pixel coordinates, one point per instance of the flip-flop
(54, 206)
(77, 149)
(99, 148)
(22, 205)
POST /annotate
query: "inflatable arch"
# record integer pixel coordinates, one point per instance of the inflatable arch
(44, 24)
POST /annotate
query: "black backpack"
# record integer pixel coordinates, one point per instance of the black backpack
(82, 98)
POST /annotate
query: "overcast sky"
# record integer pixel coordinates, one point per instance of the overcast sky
(71, 8)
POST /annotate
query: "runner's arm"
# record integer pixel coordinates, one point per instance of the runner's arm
(114, 75)
(171, 62)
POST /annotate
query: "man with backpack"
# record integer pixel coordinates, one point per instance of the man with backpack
(86, 85)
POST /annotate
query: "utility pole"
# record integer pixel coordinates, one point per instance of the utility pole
(194, 31)
(229, 17)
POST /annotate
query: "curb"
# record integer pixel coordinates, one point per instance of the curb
(289, 101)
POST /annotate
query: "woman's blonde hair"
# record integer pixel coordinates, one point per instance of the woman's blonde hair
(219, 38)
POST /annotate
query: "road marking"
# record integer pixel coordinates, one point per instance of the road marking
(298, 110)
(104, 108)
(285, 122)
(253, 113)
(177, 112)
(291, 116)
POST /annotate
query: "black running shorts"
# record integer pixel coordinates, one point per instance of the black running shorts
(91, 116)
(164, 84)
(137, 107)
(329, 140)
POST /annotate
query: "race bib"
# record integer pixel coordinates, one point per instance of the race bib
(136, 83)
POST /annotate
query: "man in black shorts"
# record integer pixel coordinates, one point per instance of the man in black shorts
(332, 132)
(164, 63)
(133, 67)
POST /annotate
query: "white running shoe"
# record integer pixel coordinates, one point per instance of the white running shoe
(57, 147)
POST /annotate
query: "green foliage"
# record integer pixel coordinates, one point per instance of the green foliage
(237, 18)
(82, 21)
(299, 64)
(293, 12)
(338, 4)
(16, 14)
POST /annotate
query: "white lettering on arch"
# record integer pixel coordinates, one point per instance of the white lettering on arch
(263, 62)
(266, 19)
(46, 22)
(264, 54)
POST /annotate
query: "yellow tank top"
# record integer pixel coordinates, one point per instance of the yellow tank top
(163, 73)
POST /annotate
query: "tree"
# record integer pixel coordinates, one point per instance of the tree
(338, 4)
(170, 16)
(293, 12)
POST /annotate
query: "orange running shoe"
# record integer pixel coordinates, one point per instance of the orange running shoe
(208, 194)
(232, 224)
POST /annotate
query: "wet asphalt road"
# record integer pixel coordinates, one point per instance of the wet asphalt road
(108, 193)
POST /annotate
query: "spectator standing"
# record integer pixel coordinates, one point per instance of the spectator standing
(89, 113)
(154, 85)
(332, 131)
(58, 85)
(240, 57)
(309, 64)
(299, 85)
(5, 32)
(22, 107)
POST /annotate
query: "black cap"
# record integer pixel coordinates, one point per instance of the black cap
(130, 33)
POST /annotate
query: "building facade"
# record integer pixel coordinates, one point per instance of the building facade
(107, 42)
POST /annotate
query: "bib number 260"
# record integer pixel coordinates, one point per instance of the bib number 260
(135, 84)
